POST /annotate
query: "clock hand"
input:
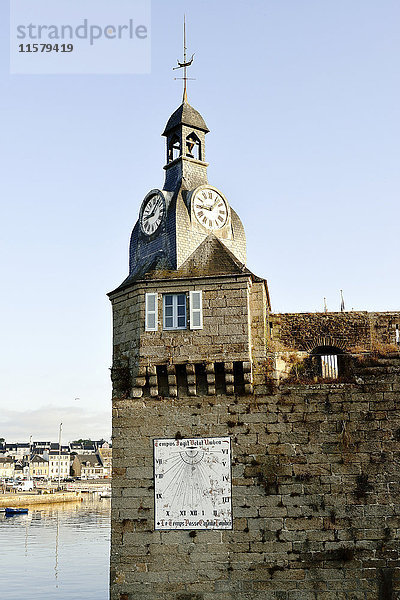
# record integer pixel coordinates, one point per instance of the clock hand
(215, 204)
(151, 214)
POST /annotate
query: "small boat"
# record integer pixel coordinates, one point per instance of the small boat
(16, 511)
(105, 494)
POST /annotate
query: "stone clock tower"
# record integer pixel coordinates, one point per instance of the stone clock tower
(183, 312)
(189, 331)
(174, 221)
(254, 456)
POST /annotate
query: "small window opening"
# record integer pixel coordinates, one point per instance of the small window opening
(238, 376)
(329, 366)
(201, 379)
(181, 380)
(193, 146)
(162, 380)
(174, 148)
(329, 362)
(219, 378)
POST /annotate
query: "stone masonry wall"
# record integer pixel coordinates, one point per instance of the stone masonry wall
(224, 336)
(347, 330)
(258, 315)
(315, 495)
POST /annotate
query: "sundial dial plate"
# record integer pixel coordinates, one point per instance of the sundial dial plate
(192, 483)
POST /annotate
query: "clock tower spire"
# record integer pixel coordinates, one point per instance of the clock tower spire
(185, 133)
(176, 220)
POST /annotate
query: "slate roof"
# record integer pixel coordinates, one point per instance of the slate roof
(185, 115)
(211, 258)
(92, 459)
(38, 459)
(55, 446)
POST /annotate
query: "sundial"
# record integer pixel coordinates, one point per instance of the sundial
(192, 483)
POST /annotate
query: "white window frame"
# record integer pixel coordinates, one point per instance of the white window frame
(149, 313)
(196, 311)
(174, 311)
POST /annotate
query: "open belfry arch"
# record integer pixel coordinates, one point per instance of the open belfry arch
(255, 455)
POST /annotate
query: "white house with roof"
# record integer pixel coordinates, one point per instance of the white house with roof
(7, 465)
(88, 466)
(59, 464)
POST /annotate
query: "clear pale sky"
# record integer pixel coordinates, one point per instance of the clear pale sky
(302, 100)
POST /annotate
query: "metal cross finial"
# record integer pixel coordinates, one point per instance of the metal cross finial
(185, 64)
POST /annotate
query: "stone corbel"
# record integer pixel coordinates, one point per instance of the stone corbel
(210, 371)
(172, 385)
(191, 379)
(229, 378)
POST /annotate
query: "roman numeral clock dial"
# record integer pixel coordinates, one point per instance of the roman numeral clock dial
(210, 208)
(152, 213)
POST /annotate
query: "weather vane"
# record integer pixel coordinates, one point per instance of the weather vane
(185, 64)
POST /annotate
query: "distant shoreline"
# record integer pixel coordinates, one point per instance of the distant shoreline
(19, 500)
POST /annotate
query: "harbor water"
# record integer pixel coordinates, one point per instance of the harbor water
(56, 552)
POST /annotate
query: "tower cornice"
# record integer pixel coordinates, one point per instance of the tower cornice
(187, 159)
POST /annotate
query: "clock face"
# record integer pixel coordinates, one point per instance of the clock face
(192, 483)
(210, 208)
(152, 213)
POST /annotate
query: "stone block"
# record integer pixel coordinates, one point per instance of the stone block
(248, 377)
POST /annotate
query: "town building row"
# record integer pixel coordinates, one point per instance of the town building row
(46, 460)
